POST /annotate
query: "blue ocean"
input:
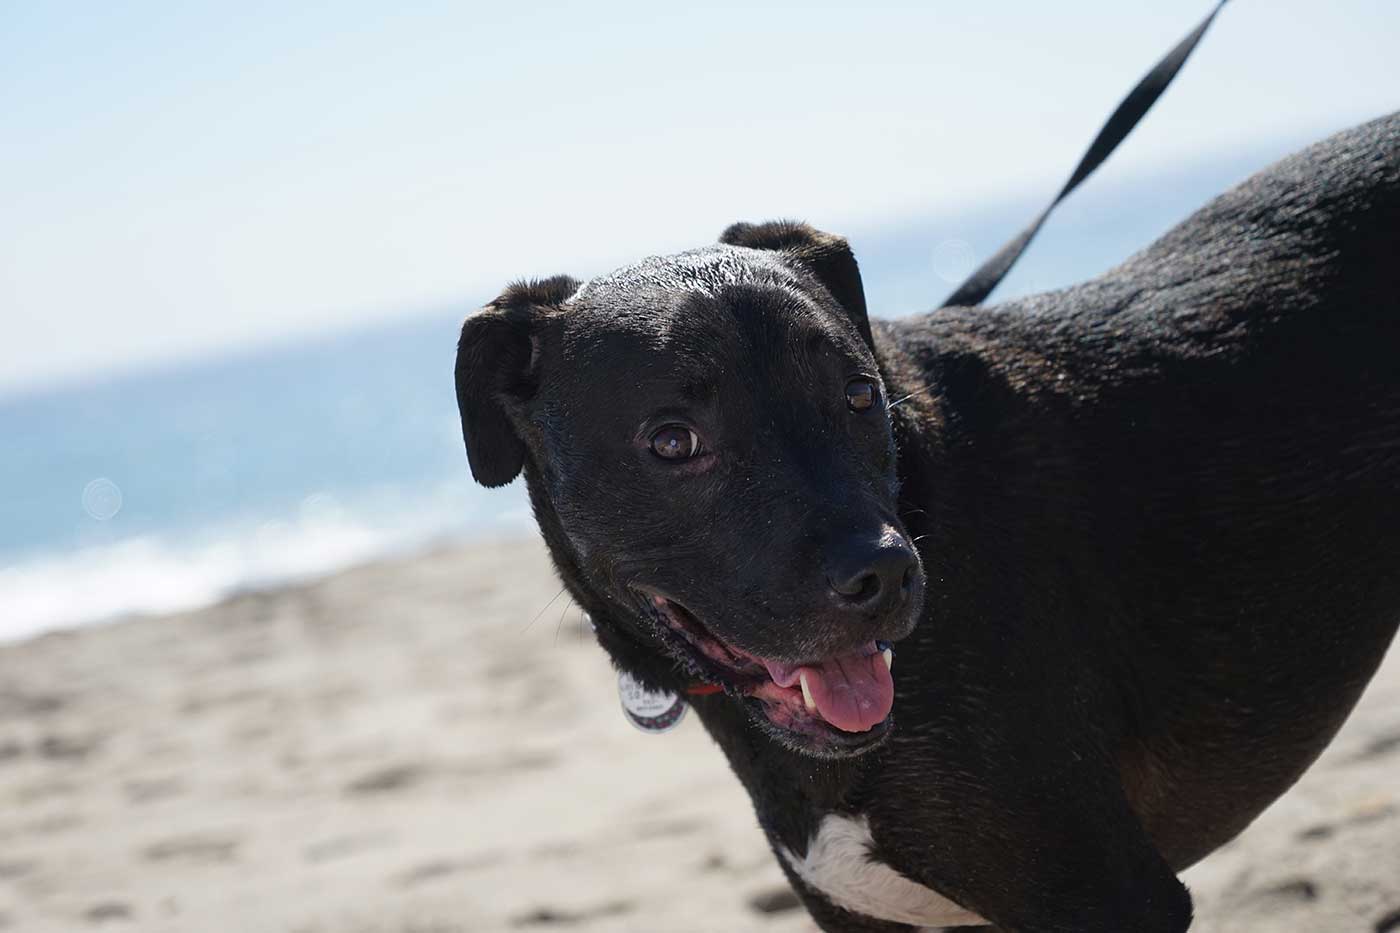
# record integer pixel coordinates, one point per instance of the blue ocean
(169, 488)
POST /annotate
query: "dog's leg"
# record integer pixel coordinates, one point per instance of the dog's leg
(1015, 809)
(1036, 837)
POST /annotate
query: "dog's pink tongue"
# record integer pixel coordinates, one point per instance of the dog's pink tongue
(853, 692)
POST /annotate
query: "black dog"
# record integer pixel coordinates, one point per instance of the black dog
(1148, 528)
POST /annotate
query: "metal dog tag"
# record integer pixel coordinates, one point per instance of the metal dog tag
(651, 711)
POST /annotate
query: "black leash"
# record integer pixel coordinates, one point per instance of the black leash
(975, 289)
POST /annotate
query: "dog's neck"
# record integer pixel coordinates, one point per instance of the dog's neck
(790, 791)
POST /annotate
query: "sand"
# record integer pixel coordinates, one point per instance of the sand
(430, 745)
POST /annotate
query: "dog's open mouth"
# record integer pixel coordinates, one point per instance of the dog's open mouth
(838, 704)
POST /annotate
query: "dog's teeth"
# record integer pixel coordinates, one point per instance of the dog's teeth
(807, 693)
(889, 658)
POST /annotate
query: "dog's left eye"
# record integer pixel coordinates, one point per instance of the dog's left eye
(675, 442)
(861, 394)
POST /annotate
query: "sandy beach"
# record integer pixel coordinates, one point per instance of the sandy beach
(432, 745)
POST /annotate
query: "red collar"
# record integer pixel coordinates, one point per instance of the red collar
(703, 690)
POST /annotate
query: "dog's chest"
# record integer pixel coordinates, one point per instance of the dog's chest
(839, 865)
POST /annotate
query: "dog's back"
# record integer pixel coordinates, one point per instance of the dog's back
(1203, 445)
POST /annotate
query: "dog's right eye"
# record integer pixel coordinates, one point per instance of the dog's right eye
(861, 394)
(675, 442)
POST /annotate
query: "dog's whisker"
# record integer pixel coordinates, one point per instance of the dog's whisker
(558, 626)
(900, 401)
(545, 607)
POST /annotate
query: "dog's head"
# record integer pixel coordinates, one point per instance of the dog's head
(709, 453)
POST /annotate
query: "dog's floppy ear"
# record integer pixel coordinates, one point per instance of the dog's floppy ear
(494, 362)
(825, 255)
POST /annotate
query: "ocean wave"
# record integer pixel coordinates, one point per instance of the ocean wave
(154, 574)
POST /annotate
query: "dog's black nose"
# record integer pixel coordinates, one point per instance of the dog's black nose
(872, 575)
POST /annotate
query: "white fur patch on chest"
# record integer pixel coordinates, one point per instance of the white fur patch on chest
(838, 864)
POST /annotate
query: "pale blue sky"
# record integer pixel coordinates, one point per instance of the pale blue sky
(178, 178)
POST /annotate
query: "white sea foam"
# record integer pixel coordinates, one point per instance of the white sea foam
(158, 575)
